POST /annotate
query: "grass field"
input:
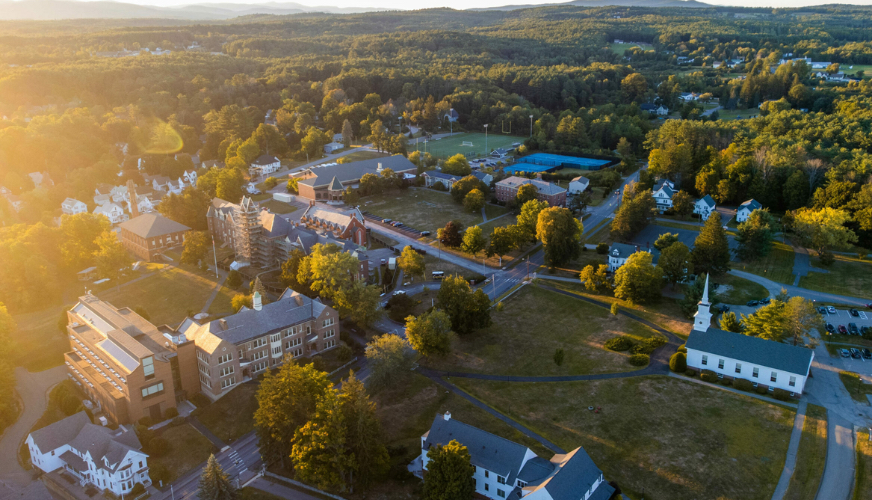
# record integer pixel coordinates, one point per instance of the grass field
(424, 209)
(737, 114)
(811, 456)
(38, 342)
(740, 290)
(675, 439)
(450, 146)
(846, 276)
(231, 416)
(855, 386)
(863, 470)
(519, 342)
(620, 48)
(278, 207)
(188, 448)
(777, 266)
(572, 269)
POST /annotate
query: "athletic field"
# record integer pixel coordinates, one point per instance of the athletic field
(450, 146)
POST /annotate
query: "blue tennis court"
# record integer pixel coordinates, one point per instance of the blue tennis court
(541, 162)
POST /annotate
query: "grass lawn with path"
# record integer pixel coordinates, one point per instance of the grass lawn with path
(278, 207)
(863, 470)
(188, 449)
(676, 440)
(519, 342)
(250, 493)
(855, 386)
(811, 456)
(847, 276)
(738, 291)
(572, 269)
(231, 416)
(777, 266)
(424, 209)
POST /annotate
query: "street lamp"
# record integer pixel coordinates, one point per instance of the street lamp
(531, 126)
(485, 139)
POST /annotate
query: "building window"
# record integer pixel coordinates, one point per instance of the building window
(704, 359)
(774, 377)
(501, 480)
(275, 338)
(721, 364)
(755, 373)
(328, 322)
(792, 382)
(738, 367)
(228, 382)
(329, 334)
(148, 367)
(227, 370)
(501, 493)
(486, 473)
(225, 358)
(277, 350)
(153, 389)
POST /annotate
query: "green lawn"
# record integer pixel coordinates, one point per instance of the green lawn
(811, 456)
(736, 290)
(231, 416)
(620, 48)
(863, 470)
(424, 209)
(450, 146)
(675, 439)
(188, 449)
(572, 269)
(737, 114)
(38, 342)
(535, 323)
(278, 207)
(855, 386)
(221, 305)
(777, 266)
(357, 156)
(846, 276)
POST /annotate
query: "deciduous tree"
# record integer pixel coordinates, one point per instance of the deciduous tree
(457, 165)
(638, 281)
(596, 280)
(411, 262)
(528, 218)
(468, 310)
(560, 233)
(525, 193)
(327, 269)
(111, 257)
(730, 323)
(450, 234)
(449, 473)
(473, 240)
(676, 263)
(196, 247)
(359, 302)
(682, 204)
(823, 229)
(430, 333)
(474, 201)
(390, 359)
(320, 452)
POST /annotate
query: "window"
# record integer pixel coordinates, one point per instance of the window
(258, 343)
(153, 389)
(203, 369)
(774, 377)
(738, 367)
(486, 473)
(202, 356)
(501, 493)
(148, 367)
(721, 364)
(205, 381)
(293, 343)
(329, 333)
(328, 322)
(501, 480)
(521, 484)
(228, 382)
(275, 338)
(704, 359)
(225, 358)
(308, 329)
(755, 373)
(792, 382)
(227, 370)
(486, 486)
(277, 350)
(329, 344)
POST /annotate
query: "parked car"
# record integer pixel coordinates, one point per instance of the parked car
(384, 261)
(831, 328)
(822, 310)
(386, 221)
(765, 301)
(869, 305)
(855, 353)
(852, 327)
(399, 292)
(425, 233)
(831, 310)
(407, 283)
(752, 303)
(845, 353)
(854, 312)
(843, 330)
(867, 354)
(724, 308)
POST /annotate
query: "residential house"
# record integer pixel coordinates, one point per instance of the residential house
(503, 469)
(144, 205)
(662, 110)
(704, 207)
(433, 177)
(110, 460)
(328, 182)
(746, 208)
(159, 182)
(190, 178)
(72, 206)
(118, 194)
(210, 164)
(507, 190)
(452, 115)
(620, 252)
(772, 364)
(40, 179)
(264, 165)
(113, 212)
(14, 201)
(578, 185)
(662, 193)
(151, 234)
(485, 177)
(87, 274)
(333, 146)
(102, 199)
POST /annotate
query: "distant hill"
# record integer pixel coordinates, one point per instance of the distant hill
(43, 10)
(608, 3)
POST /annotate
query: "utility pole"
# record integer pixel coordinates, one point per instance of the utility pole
(215, 255)
(451, 122)
(494, 277)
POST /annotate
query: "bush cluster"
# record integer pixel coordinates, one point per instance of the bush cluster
(709, 376)
(65, 397)
(639, 359)
(171, 413)
(743, 384)
(619, 344)
(648, 345)
(781, 395)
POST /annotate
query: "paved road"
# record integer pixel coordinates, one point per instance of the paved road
(33, 390)
(280, 490)
(775, 288)
(838, 479)
(790, 462)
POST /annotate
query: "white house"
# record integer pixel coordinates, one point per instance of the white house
(483, 177)
(40, 178)
(118, 194)
(252, 189)
(190, 177)
(143, 204)
(72, 206)
(499, 153)
(14, 201)
(102, 199)
(746, 208)
(662, 110)
(775, 365)
(92, 454)
(333, 146)
(113, 212)
(265, 164)
(662, 194)
(578, 185)
(432, 177)
(620, 252)
(704, 207)
(505, 469)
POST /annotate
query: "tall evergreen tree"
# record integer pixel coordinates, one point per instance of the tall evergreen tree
(756, 235)
(320, 452)
(363, 433)
(711, 252)
(449, 473)
(730, 323)
(214, 482)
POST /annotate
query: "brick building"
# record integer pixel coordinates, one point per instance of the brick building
(507, 189)
(150, 234)
(342, 224)
(328, 182)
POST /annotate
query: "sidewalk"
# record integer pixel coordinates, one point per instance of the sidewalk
(207, 433)
(790, 461)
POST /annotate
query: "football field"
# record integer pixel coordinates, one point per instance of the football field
(450, 146)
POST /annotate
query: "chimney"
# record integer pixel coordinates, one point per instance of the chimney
(223, 323)
(447, 415)
(257, 304)
(131, 195)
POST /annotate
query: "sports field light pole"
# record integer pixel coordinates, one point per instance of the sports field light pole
(451, 122)
(485, 139)
(531, 126)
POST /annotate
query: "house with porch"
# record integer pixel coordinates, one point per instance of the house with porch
(433, 177)
(113, 212)
(746, 208)
(620, 252)
(264, 165)
(71, 206)
(578, 185)
(704, 207)
(662, 193)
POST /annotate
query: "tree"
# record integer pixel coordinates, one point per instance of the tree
(430, 333)
(730, 323)
(270, 182)
(665, 240)
(328, 269)
(756, 235)
(457, 165)
(363, 434)
(257, 287)
(635, 86)
(560, 233)
(411, 262)
(320, 453)
(188, 208)
(596, 279)
(468, 310)
(800, 317)
(692, 295)
(390, 359)
(461, 188)
(292, 185)
(234, 279)
(676, 263)
(502, 241)
(638, 281)
(527, 192)
(314, 141)
(80, 233)
(286, 401)
(559, 355)
(215, 484)
(360, 303)
(678, 362)
(291, 272)
(823, 229)
(8, 405)
(473, 240)
(347, 133)
(450, 234)
(196, 247)
(682, 204)
(636, 211)
(229, 185)
(528, 219)
(711, 252)
(449, 473)
(111, 257)
(239, 301)
(625, 152)
(768, 322)
(474, 201)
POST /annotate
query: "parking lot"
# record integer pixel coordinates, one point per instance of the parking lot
(843, 317)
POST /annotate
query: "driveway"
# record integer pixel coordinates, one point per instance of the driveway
(33, 390)
(774, 288)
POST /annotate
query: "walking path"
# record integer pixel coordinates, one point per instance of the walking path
(802, 264)
(838, 479)
(202, 429)
(775, 288)
(215, 291)
(790, 462)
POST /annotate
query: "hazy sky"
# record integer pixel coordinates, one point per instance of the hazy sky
(466, 4)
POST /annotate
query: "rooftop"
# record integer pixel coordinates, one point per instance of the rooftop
(152, 225)
(352, 172)
(768, 353)
(541, 186)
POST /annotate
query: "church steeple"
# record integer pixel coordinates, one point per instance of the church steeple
(703, 317)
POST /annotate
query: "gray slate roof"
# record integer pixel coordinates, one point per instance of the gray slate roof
(665, 187)
(353, 171)
(751, 205)
(83, 436)
(441, 175)
(574, 477)
(625, 251)
(152, 224)
(708, 200)
(265, 160)
(59, 433)
(768, 353)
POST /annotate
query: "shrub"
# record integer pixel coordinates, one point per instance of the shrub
(709, 376)
(690, 372)
(726, 381)
(602, 248)
(648, 346)
(171, 413)
(678, 362)
(618, 344)
(761, 389)
(200, 400)
(145, 421)
(615, 308)
(158, 472)
(400, 307)
(743, 384)
(343, 353)
(781, 395)
(137, 490)
(270, 182)
(558, 357)
(639, 359)
(682, 348)
(234, 279)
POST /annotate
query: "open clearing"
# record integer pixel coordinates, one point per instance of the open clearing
(450, 146)
(233, 415)
(424, 209)
(846, 276)
(188, 448)
(777, 266)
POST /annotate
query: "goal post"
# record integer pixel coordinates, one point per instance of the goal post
(466, 143)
